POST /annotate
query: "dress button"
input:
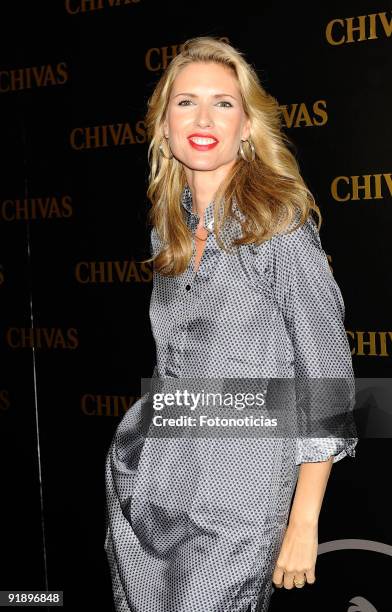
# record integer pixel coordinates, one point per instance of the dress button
(187, 287)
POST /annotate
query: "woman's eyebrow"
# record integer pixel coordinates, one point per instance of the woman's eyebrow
(192, 95)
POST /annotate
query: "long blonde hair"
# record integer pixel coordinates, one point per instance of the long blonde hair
(269, 191)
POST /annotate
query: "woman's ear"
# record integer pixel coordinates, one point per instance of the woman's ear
(165, 128)
(246, 130)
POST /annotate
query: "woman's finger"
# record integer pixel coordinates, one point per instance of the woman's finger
(288, 580)
(277, 577)
(310, 576)
(299, 580)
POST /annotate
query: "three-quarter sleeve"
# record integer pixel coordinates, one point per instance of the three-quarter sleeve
(314, 313)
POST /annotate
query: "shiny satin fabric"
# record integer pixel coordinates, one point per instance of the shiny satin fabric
(196, 524)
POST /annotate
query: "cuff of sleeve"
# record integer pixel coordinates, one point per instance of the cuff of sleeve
(321, 449)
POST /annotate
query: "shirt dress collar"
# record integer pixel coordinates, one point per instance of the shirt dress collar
(186, 200)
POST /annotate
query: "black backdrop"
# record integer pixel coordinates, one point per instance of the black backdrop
(75, 337)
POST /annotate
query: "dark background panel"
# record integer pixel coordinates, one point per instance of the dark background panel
(75, 335)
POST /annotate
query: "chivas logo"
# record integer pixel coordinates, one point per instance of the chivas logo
(33, 77)
(358, 603)
(102, 136)
(358, 29)
(299, 115)
(106, 405)
(364, 187)
(158, 58)
(42, 338)
(73, 7)
(98, 272)
(45, 207)
(370, 343)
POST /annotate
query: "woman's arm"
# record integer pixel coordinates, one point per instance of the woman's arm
(309, 493)
(314, 311)
(298, 553)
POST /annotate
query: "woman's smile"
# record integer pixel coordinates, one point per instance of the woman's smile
(202, 142)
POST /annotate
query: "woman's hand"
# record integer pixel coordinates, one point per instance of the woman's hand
(297, 556)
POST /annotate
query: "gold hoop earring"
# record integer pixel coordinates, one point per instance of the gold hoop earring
(252, 148)
(162, 152)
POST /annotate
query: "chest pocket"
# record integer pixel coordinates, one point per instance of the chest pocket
(256, 262)
(258, 265)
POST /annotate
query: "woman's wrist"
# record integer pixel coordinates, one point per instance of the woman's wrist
(309, 493)
(303, 520)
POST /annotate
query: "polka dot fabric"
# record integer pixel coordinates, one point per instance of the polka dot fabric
(196, 525)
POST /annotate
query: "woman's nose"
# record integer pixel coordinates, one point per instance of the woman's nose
(204, 117)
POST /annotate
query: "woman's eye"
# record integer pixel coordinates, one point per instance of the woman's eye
(222, 102)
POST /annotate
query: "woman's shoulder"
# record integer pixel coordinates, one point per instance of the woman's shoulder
(298, 238)
(299, 233)
(155, 241)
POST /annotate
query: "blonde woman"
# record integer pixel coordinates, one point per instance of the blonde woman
(241, 288)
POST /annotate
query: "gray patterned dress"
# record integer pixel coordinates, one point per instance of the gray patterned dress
(196, 525)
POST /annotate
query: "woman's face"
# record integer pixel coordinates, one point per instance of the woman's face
(205, 102)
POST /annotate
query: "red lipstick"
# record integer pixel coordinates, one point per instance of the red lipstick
(199, 146)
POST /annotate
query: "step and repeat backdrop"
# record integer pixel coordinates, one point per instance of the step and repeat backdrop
(75, 335)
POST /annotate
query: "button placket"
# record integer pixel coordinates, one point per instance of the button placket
(179, 342)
